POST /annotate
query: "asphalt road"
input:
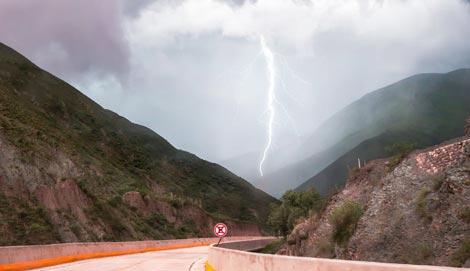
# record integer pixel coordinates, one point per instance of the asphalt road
(184, 259)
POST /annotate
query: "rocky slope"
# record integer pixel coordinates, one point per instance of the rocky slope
(73, 171)
(417, 212)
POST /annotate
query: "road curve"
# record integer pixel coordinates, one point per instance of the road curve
(183, 259)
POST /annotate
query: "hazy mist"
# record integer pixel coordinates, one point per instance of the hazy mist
(191, 70)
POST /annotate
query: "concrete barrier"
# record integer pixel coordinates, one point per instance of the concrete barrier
(252, 245)
(28, 257)
(225, 258)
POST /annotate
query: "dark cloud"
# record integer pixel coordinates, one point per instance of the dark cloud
(67, 37)
(132, 8)
(191, 68)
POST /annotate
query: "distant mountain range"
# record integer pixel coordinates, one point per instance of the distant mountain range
(71, 170)
(424, 109)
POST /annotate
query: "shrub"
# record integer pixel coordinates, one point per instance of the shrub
(23, 66)
(420, 207)
(424, 252)
(437, 181)
(464, 214)
(462, 254)
(294, 205)
(36, 227)
(398, 151)
(325, 249)
(100, 211)
(344, 220)
(278, 218)
(115, 201)
(75, 228)
(417, 253)
(157, 221)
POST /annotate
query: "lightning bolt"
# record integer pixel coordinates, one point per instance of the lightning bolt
(271, 110)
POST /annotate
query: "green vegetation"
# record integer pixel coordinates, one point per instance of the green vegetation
(24, 224)
(464, 214)
(420, 206)
(294, 205)
(102, 212)
(344, 220)
(462, 254)
(424, 252)
(75, 228)
(115, 201)
(325, 249)
(158, 226)
(437, 182)
(398, 151)
(48, 121)
(419, 253)
(273, 247)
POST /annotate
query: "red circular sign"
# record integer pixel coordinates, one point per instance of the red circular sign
(220, 230)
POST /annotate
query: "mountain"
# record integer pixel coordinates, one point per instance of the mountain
(424, 109)
(246, 166)
(414, 211)
(335, 174)
(71, 170)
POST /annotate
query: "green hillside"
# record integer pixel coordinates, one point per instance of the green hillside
(53, 136)
(425, 109)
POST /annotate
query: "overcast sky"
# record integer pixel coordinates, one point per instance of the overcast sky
(191, 69)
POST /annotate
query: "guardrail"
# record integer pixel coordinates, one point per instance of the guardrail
(235, 256)
(36, 256)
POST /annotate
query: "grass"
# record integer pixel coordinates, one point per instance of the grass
(464, 214)
(325, 249)
(420, 205)
(437, 181)
(25, 224)
(75, 228)
(462, 254)
(157, 221)
(102, 212)
(399, 152)
(424, 252)
(344, 220)
(419, 253)
(115, 201)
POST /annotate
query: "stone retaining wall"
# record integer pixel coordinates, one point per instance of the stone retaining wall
(442, 157)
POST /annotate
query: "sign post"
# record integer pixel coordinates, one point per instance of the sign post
(220, 230)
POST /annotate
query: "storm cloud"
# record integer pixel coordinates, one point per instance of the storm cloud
(191, 70)
(68, 38)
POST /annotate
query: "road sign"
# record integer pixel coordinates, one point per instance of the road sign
(220, 230)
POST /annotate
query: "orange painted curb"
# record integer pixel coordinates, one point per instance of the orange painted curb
(208, 267)
(79, 257)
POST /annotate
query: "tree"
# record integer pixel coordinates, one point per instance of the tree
(278, 219)
(293, 206)
(344, 220)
